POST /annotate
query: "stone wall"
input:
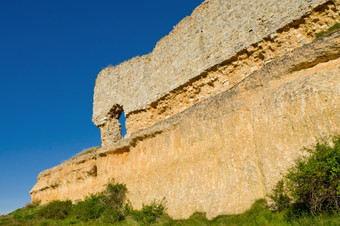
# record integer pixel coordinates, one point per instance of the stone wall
(182, 67)
(223, 153)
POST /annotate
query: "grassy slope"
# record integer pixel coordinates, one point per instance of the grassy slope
(259, 214)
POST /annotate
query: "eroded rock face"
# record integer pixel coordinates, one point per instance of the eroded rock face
(207, 53)
(223, 153)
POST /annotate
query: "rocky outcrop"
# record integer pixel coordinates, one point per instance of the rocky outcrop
(221, 154)
(219, 45)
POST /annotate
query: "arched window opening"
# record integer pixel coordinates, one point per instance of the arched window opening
(122, 120)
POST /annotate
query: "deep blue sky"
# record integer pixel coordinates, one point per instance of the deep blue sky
(50, 55)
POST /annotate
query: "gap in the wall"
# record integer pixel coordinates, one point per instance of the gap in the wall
(122, 120)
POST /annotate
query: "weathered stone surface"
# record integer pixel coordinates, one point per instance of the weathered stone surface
(223, 153)
(181, 70)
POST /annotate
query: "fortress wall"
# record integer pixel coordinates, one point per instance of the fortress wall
(225, 75)
(182, 69)
(223, 153)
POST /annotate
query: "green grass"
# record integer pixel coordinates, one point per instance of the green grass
(332, 29)
(259, 214)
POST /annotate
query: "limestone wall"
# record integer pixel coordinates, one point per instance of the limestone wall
(223, 153)
(241, 35)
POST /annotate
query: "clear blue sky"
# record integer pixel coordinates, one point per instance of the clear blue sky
(50, 55)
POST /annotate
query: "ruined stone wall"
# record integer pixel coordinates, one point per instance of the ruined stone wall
(223, 153)
(182, 69)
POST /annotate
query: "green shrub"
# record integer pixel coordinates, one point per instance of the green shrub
(56, 210)
(313, 185)
(149, 213)
(114, 195)
(111, 215)
(280, 196)
(107, 204)
(258, 206)
(197, 218)
(88, 209)
(32, 205)
(113, 198)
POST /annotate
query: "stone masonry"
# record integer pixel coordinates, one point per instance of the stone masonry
(241, 35)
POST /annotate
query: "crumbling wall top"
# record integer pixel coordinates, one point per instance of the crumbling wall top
(216, 30)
